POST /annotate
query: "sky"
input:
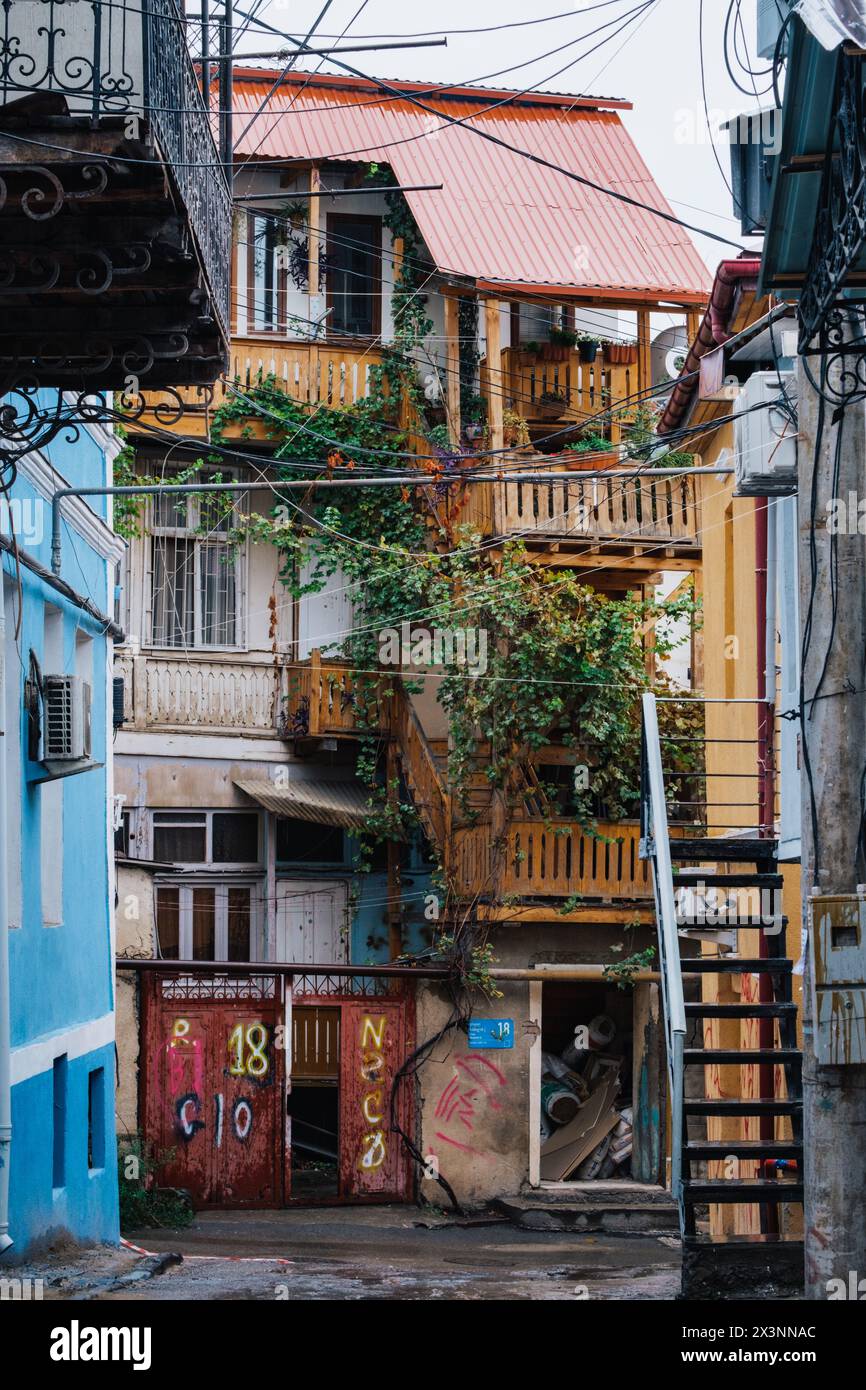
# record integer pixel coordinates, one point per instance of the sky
(654, 62)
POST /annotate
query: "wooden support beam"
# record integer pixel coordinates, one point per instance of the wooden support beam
(315, 224)
(495, 379)
(452, 369)
(644, 354)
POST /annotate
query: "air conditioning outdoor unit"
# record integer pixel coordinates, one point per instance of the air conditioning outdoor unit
(765, 436)
(66, 728)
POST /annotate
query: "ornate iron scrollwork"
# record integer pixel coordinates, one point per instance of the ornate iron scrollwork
(840, 229)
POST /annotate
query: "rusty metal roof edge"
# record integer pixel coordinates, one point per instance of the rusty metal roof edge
(456, 91)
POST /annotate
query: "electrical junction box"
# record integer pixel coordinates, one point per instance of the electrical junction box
(765, 437)
(771, 16)
(837, 940)
(755, 139)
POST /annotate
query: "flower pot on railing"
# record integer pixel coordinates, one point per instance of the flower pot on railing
(621, 354)
(590, 461)
(552, 405)
(588, 350)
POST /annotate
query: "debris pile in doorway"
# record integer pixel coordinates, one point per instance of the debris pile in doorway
(584, 1135)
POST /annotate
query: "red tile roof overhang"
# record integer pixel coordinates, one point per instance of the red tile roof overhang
(500, 221)
(731, 276)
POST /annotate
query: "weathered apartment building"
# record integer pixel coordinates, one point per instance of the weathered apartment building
(295, 1071)
(116, 263)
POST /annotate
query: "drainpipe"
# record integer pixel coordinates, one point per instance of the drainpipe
(5, 1021)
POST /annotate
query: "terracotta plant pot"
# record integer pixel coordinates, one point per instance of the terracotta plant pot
(621, 354)
(589, 462)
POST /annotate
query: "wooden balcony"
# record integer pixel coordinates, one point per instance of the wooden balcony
(559, 393)
(115, 227)
(663, 513)
(316, 373)
(323, 702)
(210, 692)
(554, 859)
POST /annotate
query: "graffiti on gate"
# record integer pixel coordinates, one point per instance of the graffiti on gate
(472, 1088)
(372, 1043)
(185, 1078)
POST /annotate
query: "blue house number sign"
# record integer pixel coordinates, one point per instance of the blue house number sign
(491, 1032)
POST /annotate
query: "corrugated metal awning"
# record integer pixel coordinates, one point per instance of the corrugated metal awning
(499, 218)
(327, 803)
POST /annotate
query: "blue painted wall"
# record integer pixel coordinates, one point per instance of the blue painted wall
(61, 979)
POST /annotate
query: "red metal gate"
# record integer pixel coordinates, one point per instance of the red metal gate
(374, 1043)
(212, 1077)
(213, 1080)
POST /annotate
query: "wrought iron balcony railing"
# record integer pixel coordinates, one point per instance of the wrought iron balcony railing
(120, 66)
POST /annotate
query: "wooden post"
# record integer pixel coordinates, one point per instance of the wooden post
(315, 693)
(314, 234)
(452, 368)
(644, 356)
(495, 380)
(394, 890)
(833, 743)
(694, 319)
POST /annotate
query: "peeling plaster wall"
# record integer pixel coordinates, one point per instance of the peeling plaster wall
(136, 937)
(481, 1141)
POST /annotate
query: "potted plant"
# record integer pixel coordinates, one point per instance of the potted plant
(588, 347)
(515, 430)
(622, 354)
(562, 342)
(529, 353)
(590, 453)
(296, 214)
(474, 413)
(553, 405)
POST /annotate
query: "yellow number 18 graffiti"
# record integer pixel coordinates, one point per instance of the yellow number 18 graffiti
(247, 1050)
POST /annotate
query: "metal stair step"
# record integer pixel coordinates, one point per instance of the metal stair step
(742, 1148)
(709, 1010)
(733, 1056)
(736, 965)
(740, 1190)
(733, 923)
(724, 851)
(742, 1106)
(689, 878)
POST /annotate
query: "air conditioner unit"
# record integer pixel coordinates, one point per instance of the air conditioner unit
(66, 727)
(765, 436)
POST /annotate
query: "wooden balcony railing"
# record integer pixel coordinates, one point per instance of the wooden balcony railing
(207, 691)
(555, 859)
(322, 701)
(658, 510)
(533, 385)
(320, 373)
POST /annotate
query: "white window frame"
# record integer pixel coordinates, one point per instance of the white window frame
(207, 819)
(187, 530)
(220, 889)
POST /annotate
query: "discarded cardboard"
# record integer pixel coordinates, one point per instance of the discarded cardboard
(566, 1149)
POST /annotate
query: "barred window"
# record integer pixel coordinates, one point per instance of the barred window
(195, 570)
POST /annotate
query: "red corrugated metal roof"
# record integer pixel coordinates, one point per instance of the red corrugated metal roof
(499, 217)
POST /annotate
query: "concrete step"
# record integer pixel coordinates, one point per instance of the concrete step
(615, 1208)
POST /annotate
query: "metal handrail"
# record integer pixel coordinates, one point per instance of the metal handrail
(655, 846)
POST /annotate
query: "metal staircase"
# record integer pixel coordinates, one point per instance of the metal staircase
(766, 1262)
